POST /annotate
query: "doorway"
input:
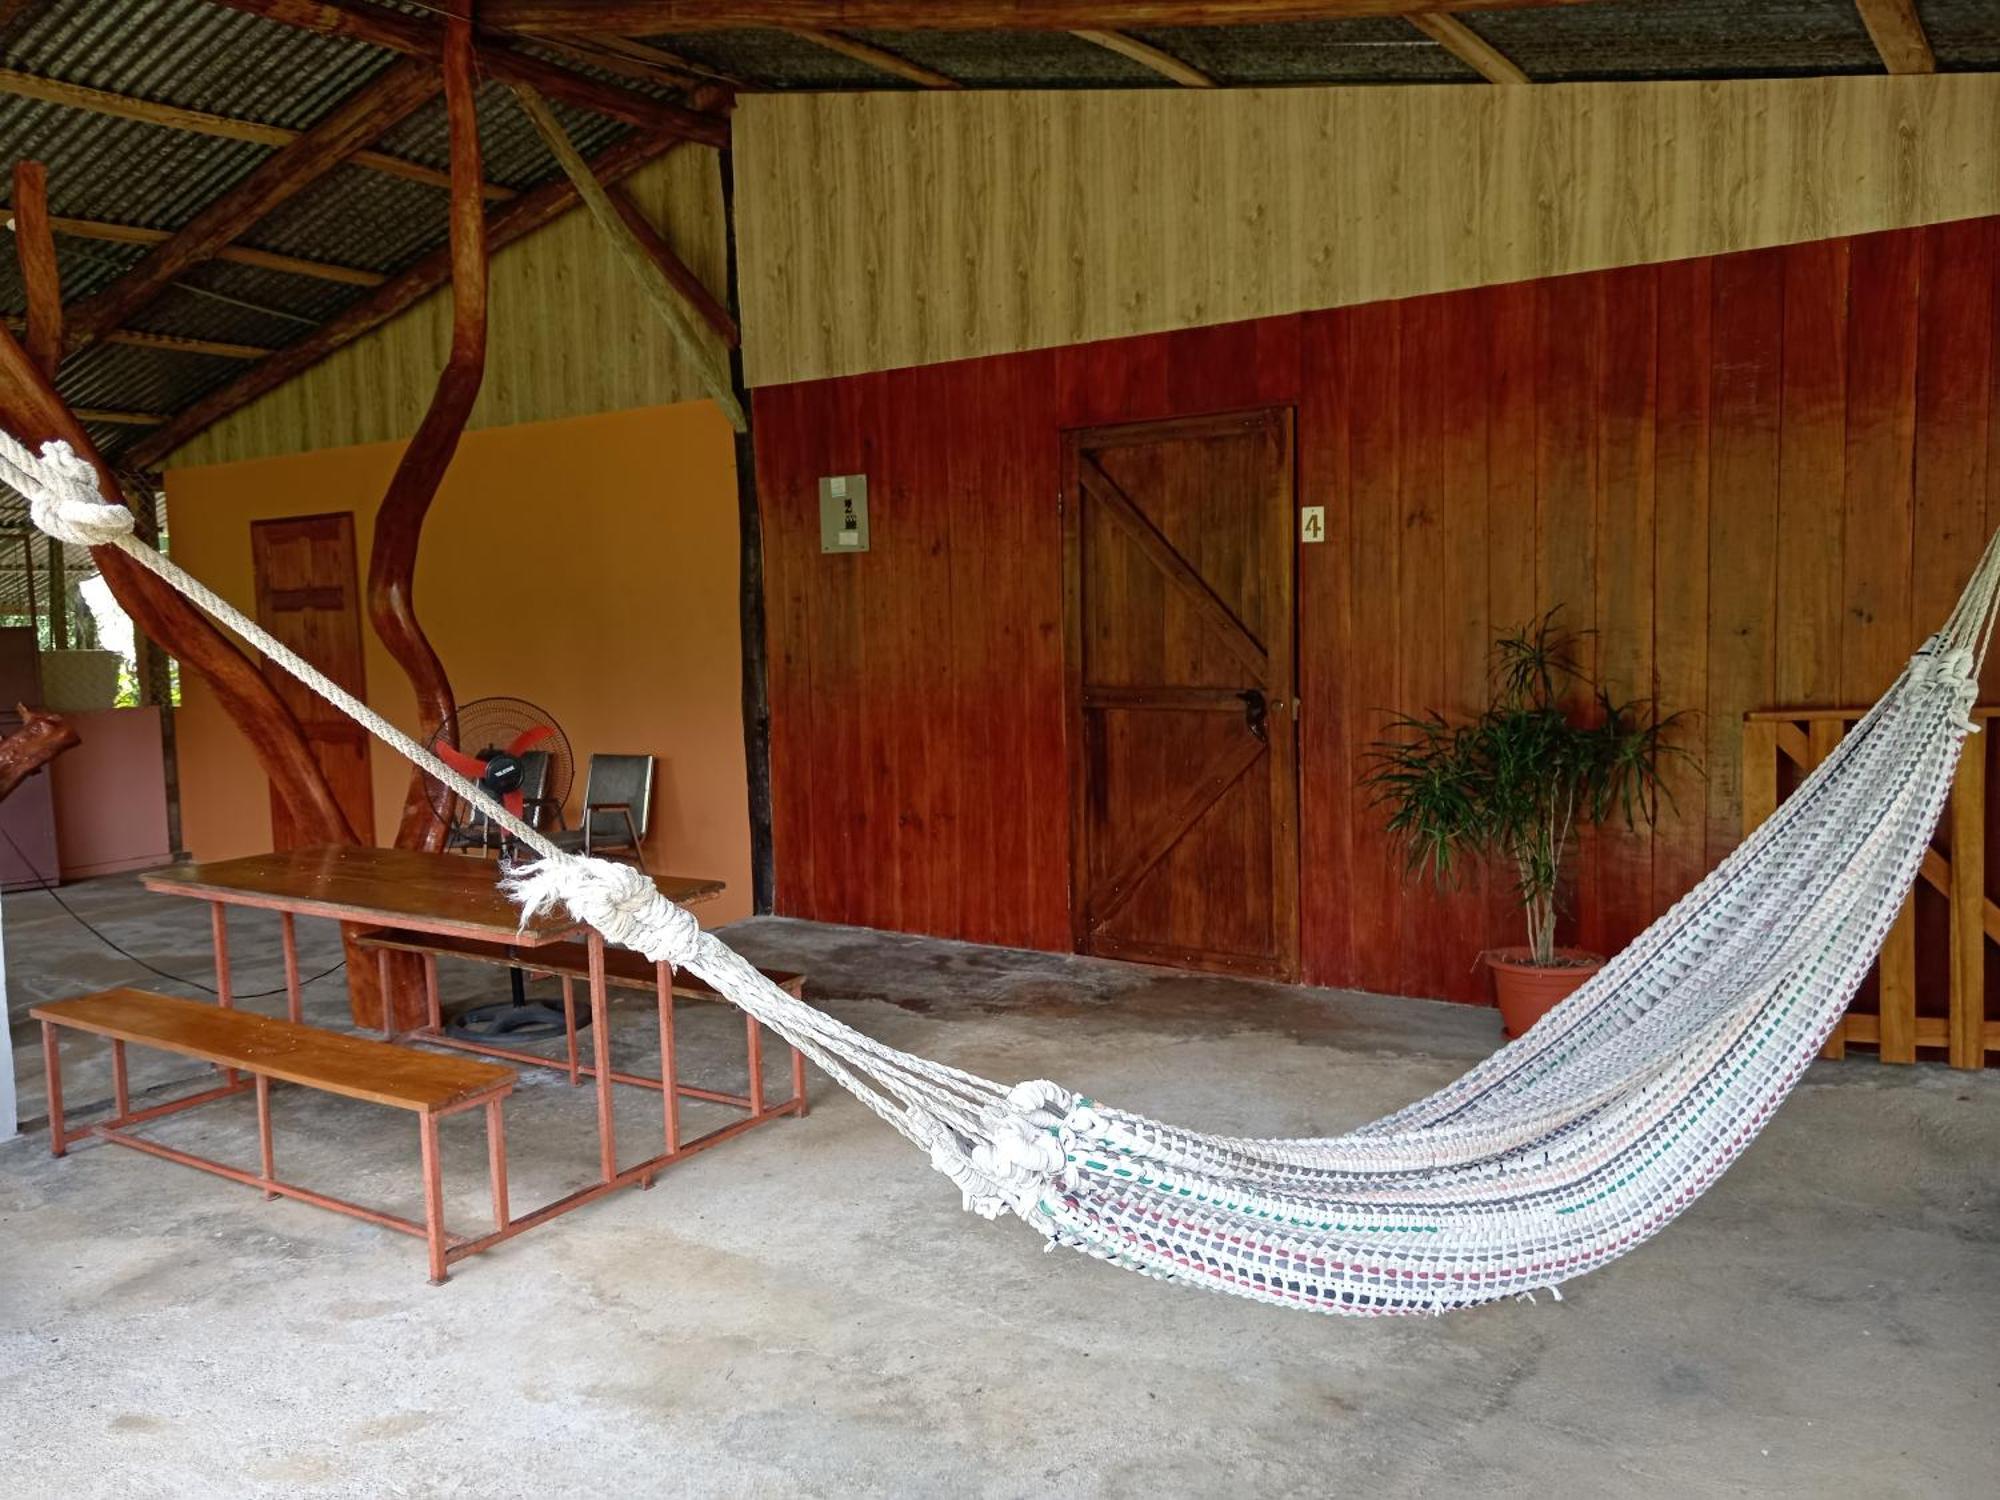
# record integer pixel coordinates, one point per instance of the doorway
(308, 597)
(1178, 628)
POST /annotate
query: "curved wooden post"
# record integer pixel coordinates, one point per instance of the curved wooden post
(392, 563)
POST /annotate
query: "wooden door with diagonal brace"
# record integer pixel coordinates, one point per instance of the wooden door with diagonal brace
(1178, 561)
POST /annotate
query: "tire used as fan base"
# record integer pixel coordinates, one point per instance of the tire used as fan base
(1528, 991)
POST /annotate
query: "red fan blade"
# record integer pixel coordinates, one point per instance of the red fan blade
(527, 739)
(467, 766)
(515, 803)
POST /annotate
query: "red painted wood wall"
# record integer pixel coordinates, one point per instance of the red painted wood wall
(1758, 479)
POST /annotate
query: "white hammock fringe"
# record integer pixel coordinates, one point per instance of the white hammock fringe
(1562, 1151)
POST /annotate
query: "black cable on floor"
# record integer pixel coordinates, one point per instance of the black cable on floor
(44, 884)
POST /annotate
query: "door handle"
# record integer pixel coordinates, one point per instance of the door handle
(1254, 710)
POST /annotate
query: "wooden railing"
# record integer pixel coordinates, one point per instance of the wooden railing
(1779, 747)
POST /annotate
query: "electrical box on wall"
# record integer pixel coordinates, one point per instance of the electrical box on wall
(843, 513)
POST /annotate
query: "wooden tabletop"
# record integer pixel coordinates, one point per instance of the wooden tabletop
(442, 893)
(358, 1067)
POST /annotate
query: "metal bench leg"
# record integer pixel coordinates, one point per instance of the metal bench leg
(265, 1157)
(434, 1008)
(754, 1046)
(121, 1087)
(670, 1093)
(294, 994)
(569, 1028)
(52, 1062)
(600, 1043)
(427, 1136)
(799, 1081)
(496, 1161)
(225, 994)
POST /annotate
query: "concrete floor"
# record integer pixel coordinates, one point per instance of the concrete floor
(806, 1310)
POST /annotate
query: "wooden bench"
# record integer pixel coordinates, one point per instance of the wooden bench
(426, 1084)
(623, 970)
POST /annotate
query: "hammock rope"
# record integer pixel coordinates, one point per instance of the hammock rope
(1563, 1150)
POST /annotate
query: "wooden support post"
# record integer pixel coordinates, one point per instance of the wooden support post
(1760, 772)
(35, 246)
(392, 564)
(1898, 987)
(58, 599)
(1966, 1045)
(709, 363)
(34, 413)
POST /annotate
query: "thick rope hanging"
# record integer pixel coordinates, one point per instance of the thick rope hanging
(1564, 1150)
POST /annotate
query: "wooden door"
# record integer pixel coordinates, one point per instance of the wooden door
(1178, 622)
(309, 598)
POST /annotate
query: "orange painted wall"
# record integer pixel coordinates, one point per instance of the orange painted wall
(587, 565)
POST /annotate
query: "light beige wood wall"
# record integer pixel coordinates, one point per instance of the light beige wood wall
(570, 333)
(890, 229)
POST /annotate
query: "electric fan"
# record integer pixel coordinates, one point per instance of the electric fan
(518, 755)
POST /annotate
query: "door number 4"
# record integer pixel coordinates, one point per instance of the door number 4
(1312, 523)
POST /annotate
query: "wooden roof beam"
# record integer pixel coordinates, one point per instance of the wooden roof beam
(35, 247)
(876, 58)
(365, 114)
(1898, 34)
(425, 39)
(504, 225)
(1148, 56)
(707, 360)
(170, 343)
(652, 17)
(1470, 48)
(243, 255)
(201, 122)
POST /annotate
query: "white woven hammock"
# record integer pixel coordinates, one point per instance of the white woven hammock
(1563, 1150)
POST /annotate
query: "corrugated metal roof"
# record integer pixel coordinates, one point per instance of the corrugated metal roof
(776, 60)
(1963, 33)
(1685, 38)
(1016, 59)
(1368, 51)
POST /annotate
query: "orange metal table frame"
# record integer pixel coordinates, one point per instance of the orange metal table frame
(453, 896)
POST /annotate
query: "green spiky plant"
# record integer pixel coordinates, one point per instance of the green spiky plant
(1517, 781)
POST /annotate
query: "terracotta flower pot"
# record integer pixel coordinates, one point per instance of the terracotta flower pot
(1528, 991)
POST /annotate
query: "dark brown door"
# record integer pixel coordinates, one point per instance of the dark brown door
(1178, 555)
(308, 597)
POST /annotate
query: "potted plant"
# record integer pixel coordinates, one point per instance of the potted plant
(1550, 753)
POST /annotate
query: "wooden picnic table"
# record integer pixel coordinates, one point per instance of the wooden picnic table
(455, 899)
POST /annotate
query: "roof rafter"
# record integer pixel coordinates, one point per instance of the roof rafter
(1148, 56)
(171, 343)
(243, 255)
(651, 17)
(876, 57)
(1470, 48)
(1898, 34)
(201, 122)
(425, 39)
(390, 96)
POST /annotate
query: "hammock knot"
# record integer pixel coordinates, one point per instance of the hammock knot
(61, 490)
(619, 901)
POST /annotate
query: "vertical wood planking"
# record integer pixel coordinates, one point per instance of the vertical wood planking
(1681, 568)
(1327, 888)
(1626, 474)
(1693, 457)
(1742, 545)
(1811, 474)
(1881, 422)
